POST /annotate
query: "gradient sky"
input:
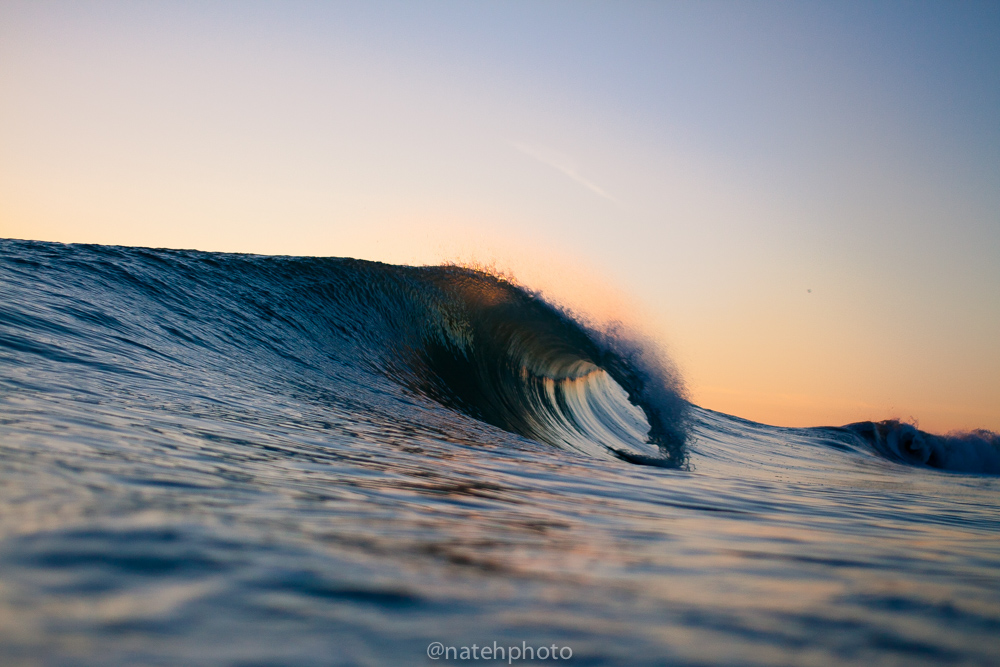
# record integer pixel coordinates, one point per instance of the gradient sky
(693, 168)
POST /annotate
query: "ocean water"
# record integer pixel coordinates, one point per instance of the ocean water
(212, 459)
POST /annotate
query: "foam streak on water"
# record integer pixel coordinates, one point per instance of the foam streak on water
(215, 459)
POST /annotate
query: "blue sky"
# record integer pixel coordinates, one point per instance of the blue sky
(706, 163)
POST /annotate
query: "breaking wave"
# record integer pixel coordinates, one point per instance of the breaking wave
(469, 340)
(974, 451)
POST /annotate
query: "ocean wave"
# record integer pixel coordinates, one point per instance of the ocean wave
(975, 451)
(469, 340)
(503, 355)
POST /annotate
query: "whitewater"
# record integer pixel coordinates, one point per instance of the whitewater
(219, 459)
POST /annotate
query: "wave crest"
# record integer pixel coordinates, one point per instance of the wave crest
(504, 356)
(975, 451)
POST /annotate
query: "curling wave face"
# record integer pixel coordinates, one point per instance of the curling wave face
(504, 356)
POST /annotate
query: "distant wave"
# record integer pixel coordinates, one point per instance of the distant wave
(973, 451)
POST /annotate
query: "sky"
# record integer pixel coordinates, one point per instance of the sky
(799, 202)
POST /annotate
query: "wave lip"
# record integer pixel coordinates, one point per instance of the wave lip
(975, 451)
(504, 356)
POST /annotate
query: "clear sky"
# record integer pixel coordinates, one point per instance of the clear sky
(799, 201)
